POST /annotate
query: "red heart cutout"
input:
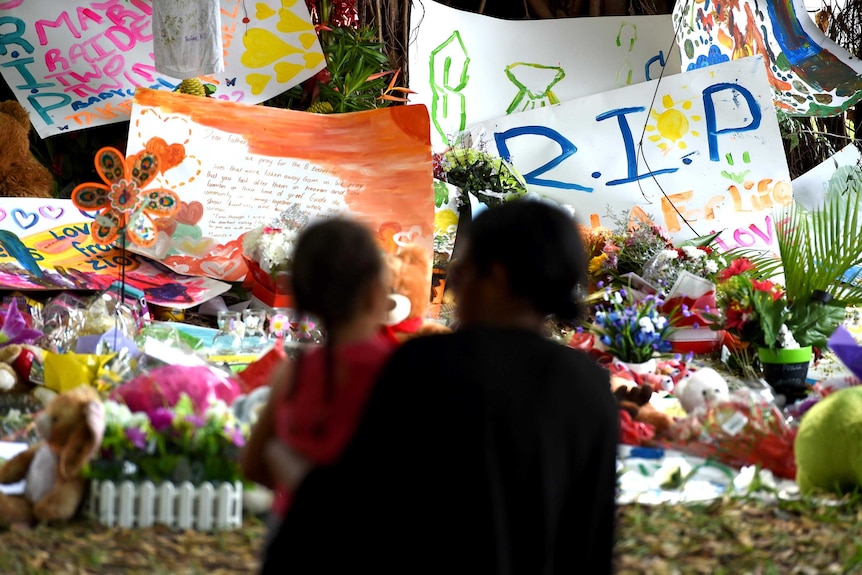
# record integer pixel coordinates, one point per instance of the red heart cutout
(190, 213)
(170, 156)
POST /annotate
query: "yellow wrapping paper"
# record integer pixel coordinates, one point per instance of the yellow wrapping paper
(65, 371)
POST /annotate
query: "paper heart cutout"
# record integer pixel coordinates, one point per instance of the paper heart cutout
(167, 225)
(289, 22)
(162, 246)
(193, 247)
(263, 48)
(190, 213)
(2, 214)
(257, 82)
(413, 235)
(307, 40)
(263, 11)
(286, 71)
(224, 269)
(25, 220)
(312, 59)
(169, 155)
(52, 212)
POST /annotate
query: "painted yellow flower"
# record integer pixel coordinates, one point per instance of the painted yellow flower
(122, 201)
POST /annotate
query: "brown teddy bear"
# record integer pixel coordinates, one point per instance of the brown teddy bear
(635, 399)
(409, 270)
(21, 176)
(71, 428)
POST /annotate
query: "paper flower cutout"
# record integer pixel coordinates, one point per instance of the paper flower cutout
(123, 202)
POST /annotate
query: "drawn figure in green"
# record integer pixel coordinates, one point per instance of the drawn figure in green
(626, 70)
(449, 64)
(535, 75)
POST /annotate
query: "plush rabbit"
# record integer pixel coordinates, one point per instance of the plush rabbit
(71, 428)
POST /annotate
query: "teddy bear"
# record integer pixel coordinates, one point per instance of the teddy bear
(409, 270)
(21, 175)
(635, 400)
(828, 444)
(71, 428)
(703, 387)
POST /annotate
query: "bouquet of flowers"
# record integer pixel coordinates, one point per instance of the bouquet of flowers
(753, 311)
(268, 253)
(666, 266)
(169, 444)
(631, 330)
(490, 179)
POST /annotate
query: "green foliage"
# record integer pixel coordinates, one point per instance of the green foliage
(821, 251)
(490, 179)
(357, 63)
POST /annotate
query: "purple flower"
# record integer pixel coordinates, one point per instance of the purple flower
(196, 420)
(161, 418)
(14, 327)
(137, 437)
(235, 435)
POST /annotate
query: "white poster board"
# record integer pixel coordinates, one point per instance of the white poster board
(711, 152)
(75, 64)
(810, 188)
(469, 68)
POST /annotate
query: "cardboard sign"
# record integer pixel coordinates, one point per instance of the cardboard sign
(810, 74)
(810, 188)
(701, 147)
(56, 235)
(236, 167)
(75, 64)
(469, 68)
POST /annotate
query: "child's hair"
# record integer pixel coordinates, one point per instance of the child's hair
(334, 263)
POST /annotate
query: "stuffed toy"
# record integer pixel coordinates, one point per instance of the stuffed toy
(17, 363)
(71, 428)
(828, 445)
(21, 176)
(635, 400)
(703, 387)
(409, 270)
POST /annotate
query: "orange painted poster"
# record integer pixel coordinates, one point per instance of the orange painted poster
(236, 167)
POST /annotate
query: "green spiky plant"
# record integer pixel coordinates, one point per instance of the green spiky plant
(821, 261)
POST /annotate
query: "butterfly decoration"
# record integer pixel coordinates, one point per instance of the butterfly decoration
(124, 206)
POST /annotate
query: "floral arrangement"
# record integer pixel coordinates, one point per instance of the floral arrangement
(490, 179)
(632, 330)
(628, 247)
(169, 444)
(665, 267)
(271, 246)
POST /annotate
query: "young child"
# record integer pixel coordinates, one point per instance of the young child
(316, 402)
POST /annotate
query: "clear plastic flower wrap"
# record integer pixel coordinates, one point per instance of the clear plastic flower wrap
(63, 318)
(745, 430)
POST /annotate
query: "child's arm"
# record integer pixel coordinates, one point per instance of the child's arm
(286, 466)
(252, 459)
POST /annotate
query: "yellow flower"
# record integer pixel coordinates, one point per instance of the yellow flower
(596, 263)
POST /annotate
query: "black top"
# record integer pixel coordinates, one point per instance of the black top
(484, 451)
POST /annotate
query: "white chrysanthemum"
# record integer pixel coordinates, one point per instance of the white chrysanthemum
(668, 254)
(711, 266)
(693, 252)
(250, 242)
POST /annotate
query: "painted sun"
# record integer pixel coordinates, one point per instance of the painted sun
(669, 127)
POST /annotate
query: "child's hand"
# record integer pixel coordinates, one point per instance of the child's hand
(286, 466)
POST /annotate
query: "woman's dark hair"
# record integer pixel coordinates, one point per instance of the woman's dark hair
(539, 247)
(334, 263)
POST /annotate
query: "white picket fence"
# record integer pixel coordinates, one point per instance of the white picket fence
(202, 507)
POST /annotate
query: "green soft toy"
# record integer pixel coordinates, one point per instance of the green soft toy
(828, 447)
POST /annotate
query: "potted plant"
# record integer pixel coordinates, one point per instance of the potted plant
(159, 452)
(632, 330)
